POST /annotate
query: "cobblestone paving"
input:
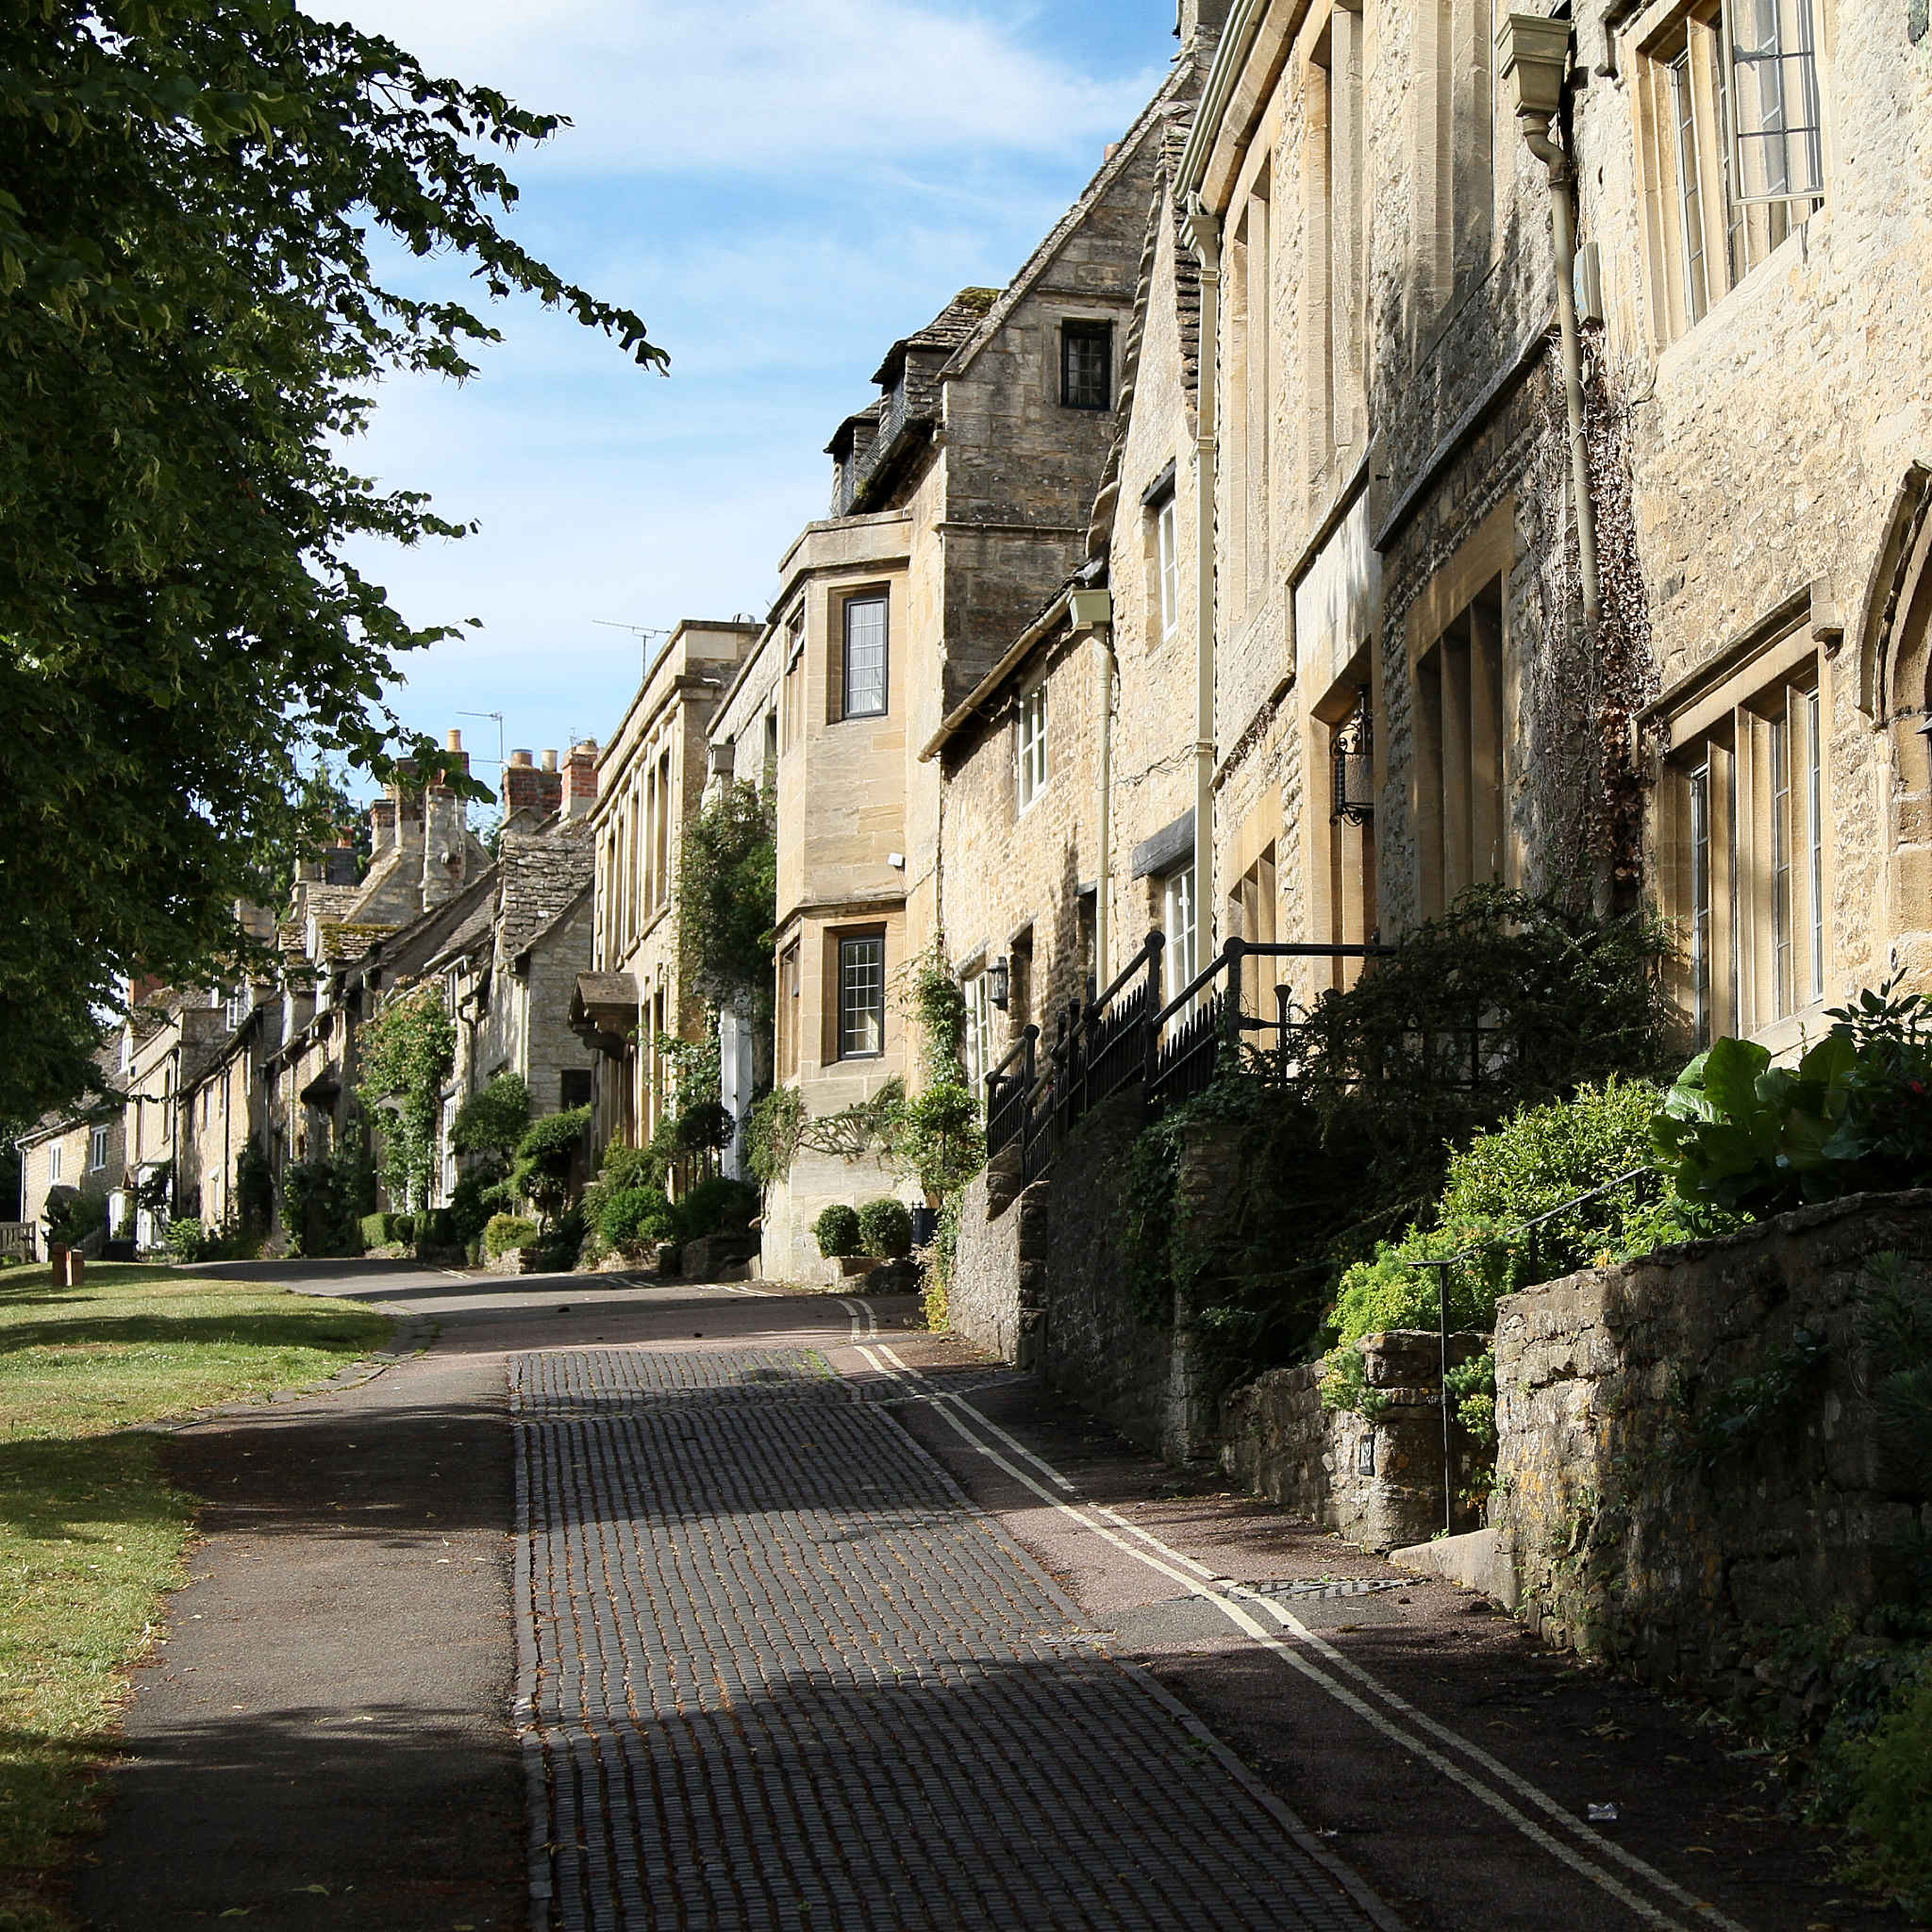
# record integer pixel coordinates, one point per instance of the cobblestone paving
(782, 1675)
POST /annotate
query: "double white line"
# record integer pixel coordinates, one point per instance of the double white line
(1486, 1778)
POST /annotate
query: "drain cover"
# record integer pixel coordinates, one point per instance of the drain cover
(1327, 1586)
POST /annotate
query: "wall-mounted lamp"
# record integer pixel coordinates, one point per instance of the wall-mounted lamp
(999, 980)
(1355, 765)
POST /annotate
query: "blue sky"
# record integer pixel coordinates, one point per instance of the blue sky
(781, 188)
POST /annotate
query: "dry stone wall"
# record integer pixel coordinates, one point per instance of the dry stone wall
(1688, 1463)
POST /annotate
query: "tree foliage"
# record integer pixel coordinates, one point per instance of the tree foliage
(727, 898)
(190, 325)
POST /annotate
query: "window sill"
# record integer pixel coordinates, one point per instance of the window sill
(1752, 280)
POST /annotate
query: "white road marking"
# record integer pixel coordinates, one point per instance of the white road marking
(1228, 1597)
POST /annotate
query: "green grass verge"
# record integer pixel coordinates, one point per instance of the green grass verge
(91, 1532)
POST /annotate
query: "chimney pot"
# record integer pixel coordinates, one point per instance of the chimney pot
(455, 742)
(550, 762)
(520, 758)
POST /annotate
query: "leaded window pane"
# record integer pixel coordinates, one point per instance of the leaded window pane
(865, 657)
(862, 997)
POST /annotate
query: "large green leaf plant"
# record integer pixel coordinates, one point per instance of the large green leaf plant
(1854, 1115)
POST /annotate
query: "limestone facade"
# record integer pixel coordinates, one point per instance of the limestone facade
(650, 780)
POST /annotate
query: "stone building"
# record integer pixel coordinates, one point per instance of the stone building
(743, 750)
(961, 498)
(651, 781)
(79, 1150)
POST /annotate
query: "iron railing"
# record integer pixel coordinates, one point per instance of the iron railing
(1124, 1035)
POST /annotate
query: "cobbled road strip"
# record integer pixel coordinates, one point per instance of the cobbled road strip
(777, 1671)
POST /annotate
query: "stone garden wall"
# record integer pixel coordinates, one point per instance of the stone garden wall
(1688, 1460)
(1375, 1477)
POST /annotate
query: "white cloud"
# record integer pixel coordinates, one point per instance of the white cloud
(668, 86)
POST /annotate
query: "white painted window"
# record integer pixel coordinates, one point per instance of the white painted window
(97, 1149)
(862, 997)
(1032, 746)
(54, 1151)
(1178, 922)
(977, 1044)
(865, 657)
(1166, 567)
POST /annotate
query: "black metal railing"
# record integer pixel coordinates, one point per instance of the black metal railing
(1124, 1035)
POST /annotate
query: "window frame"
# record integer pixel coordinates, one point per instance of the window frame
(1079, 329)
(1707, 231)
(1179, 887)
(846, 944)
(96, 1142)
(1030, 723)
(55, 1149)
(855, 600)
(1747, 879)
(1167, 565)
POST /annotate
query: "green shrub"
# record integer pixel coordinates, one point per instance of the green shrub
(1891, 1775)
(703, 1127)
(633, 1218)
(508, 1231)
(186, 1239)
(837, 1231)
(437, 1228)
(492, 1122)
(375, 1232)
(718, 1204)
(885, 1228)
(547, 1157)
(71, 1218)
(403, 1228)
(1541, 1157)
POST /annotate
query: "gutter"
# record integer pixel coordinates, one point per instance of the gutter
(1204, 238)
(1230, 56)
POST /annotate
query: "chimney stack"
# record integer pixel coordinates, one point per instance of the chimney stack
(445, 835)
(580, 779)
(526, 789)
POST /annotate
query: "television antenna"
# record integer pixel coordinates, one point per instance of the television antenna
(642, 632)
(497, 718)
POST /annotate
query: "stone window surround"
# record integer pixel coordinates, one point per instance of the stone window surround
(1736, 703)
(1486, 556)
(1660, 38)
(1092, 326)
(96, 1149)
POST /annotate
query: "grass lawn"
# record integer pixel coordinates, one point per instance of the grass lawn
(91, 1532)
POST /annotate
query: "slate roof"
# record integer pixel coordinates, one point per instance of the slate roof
(951, 329)
(543, 872)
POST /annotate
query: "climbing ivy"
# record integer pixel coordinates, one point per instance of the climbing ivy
(407, 1052)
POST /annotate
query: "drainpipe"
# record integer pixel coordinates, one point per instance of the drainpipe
(1535, 54)
(1103, 974)
(1093, 611)
(1203, 231)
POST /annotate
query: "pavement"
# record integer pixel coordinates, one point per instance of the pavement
(633, 1604)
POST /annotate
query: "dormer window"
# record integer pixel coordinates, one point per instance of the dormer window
(1087, 365)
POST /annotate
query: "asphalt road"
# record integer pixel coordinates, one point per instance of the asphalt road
(1208, 1713)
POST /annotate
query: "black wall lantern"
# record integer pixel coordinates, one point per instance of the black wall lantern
(998, 982)
(1355, 764)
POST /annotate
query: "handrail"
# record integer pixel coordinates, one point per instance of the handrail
(1232, 950)
(1151, 945)
(1449, 1261)
(1021, 1046)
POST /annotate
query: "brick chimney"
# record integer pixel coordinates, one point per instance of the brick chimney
(526, 789)
(445, 836)
(580, 779)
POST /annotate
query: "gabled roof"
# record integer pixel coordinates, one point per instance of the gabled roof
(951, 329)
(1176, 95)
(542, 874)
